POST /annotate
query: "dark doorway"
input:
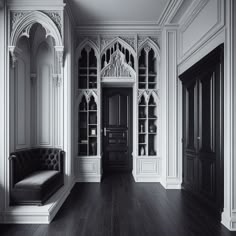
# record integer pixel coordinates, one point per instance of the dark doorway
(117, 129)
(203, 130)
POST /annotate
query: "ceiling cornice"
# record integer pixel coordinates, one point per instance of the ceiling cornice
(35, 5)
(169, 11)
(114, 28)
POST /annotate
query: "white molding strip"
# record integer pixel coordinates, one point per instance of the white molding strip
(229, 222)
(146, 179)
(171, 183)
(89, 178)
(124, 27)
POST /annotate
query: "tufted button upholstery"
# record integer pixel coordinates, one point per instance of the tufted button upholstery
(24, 163)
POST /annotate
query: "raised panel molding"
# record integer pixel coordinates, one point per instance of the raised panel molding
(170, 149)
(21, 106)
(148, 170)
(21, 111)
(44, 105)
(88, 169)
(203, 24)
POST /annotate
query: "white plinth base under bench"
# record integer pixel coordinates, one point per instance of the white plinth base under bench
(36, 214)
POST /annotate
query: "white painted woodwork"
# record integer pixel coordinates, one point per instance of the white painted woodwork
(40, 86)
(229, 213)
(3, 114)
(118, 72)
(22, 104)
(44, 105)
(206, 19)
(88, 169)
(234, 99)
(171, 177)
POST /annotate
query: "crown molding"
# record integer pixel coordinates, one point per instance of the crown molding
(174, 10)
(195, 7)
(169, 11)
(35, 5)
(126, 27)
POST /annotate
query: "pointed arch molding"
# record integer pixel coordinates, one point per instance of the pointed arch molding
(87, 93)
(147, 94)
(23, 24)
(86, 43)
(148, 44)
(118, 40)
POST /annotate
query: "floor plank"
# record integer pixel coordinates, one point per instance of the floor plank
(120, 207)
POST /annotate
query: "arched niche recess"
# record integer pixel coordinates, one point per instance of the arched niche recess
(40, 102)
(148, 124)
(149, 65)
(87, 103)
(23, 28)
(87, 65)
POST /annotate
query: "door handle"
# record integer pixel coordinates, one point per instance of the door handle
(198, 138)
(105, 131)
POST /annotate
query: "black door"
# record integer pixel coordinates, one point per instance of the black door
(203, 130)
(117, 129)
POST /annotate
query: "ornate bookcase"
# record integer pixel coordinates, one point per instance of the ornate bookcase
(87, 124)
(121, 62)
(88, 140)
(147, 122)
(148, 160)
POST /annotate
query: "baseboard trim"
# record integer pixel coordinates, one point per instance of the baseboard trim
(146, 179)
(36, 214)
(89, 178)
(171, 185)
(228, 222)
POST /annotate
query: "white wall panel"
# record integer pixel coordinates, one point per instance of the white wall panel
(20, 104)
(234, 93)
(21, 100)
(44, 112)
(171, 105)
(205, 20)
(200, 26)
(3, 108)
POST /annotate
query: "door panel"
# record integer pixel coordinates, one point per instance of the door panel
(207, 155)
(191, 110)
(117, 115)
(203, 130)
(207, 113)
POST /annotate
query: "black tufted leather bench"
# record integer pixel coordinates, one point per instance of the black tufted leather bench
(35, 174)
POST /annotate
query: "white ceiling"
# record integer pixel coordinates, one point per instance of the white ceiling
(118, 11)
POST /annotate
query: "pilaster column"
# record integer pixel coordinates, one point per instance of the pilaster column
(171, 166)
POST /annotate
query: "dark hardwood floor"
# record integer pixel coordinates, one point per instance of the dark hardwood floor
(119, 206)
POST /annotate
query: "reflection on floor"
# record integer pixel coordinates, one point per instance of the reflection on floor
(119, 206)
